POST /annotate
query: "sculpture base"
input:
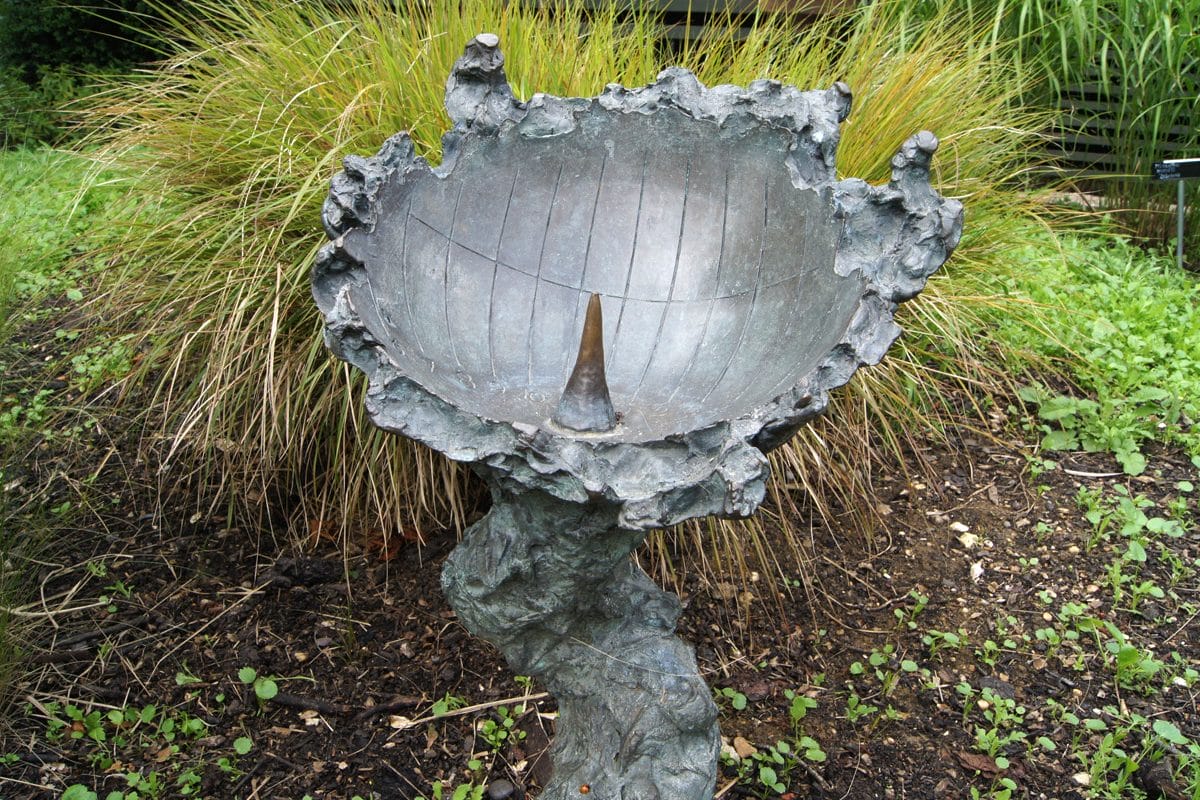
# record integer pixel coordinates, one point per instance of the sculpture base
(552, 584)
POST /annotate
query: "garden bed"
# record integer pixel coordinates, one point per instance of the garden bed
(1015, 621)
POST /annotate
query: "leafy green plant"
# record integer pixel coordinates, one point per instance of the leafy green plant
(937, 641)
(100, 363)
(264, 687)
(1141, 60)
(1126, 342)
(798, 706)
(242, 745)
(464, 791)
(1001, 789)
(1117, 426)
(1134, 667)
(446, 704)
(113, 738)
(858, 709)
(1004, 718)
(727, 695)
(907, 616)
(503, 728)
(33, 252)
(774, 766)
(1121, 71)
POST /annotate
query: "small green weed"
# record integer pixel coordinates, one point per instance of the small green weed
(769, 770)
(119, 737)
(907, 616)
(464, 791)
(731, 697)
(937, 641)
(446, 704)
(265, 688)
(503, 728)
(798, 706)
(857, 709)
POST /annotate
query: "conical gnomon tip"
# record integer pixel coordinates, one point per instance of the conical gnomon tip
(585, 403)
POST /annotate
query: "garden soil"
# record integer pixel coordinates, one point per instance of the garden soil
(177, 608)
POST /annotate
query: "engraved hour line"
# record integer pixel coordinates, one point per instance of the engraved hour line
(790, 378)
(573, 287)
(496, 269)
(632, 256)
(541, 257)
(745, 321)
(662, 320)
(713, 302)
(412, 320)
(587, 250)
(787, 330)
(446, 278)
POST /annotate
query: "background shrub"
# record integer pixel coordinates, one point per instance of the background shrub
(46, 110)
(55, 33)
(54, 53)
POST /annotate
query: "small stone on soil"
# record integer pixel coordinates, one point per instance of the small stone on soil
(501, 790)
(743, 747)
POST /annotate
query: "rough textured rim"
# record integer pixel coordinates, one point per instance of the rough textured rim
(895, 236)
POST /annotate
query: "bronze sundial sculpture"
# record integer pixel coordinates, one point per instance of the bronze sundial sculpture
(612, 307)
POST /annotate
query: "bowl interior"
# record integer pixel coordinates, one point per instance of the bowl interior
(715, 272)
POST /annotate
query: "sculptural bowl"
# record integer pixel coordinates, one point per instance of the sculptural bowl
(612, 307)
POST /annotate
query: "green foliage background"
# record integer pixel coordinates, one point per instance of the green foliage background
(37, 34)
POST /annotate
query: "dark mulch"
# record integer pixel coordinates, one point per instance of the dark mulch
(361, 647)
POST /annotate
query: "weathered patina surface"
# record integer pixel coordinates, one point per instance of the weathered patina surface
(740, 282)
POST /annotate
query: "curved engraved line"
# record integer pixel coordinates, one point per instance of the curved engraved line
(496, 263)
(662, 320)
(541, 257)
(750, 313)
(632, 256)
(713, 301)
(855, 342)
(562, 285)
(798, 274)
(450, 244)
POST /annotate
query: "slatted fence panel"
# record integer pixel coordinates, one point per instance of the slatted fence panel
(1085, 134)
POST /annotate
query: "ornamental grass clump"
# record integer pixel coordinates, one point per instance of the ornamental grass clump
(232, 140)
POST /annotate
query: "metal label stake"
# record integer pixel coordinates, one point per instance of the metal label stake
(1178, 170)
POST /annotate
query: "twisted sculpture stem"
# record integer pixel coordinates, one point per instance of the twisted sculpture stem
(552, 585)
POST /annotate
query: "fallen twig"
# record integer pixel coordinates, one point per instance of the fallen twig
(17, 612)
(724, 790)
(42, 786)
(1078, 473)
(61, 656)
(385, 708)
(462, 712)
(304, 703)
(816, 776)
(108, 630)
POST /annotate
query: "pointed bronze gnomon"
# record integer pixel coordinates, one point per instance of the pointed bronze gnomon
(585, 404)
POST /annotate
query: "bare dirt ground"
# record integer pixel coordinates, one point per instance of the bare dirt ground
(977, 581)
